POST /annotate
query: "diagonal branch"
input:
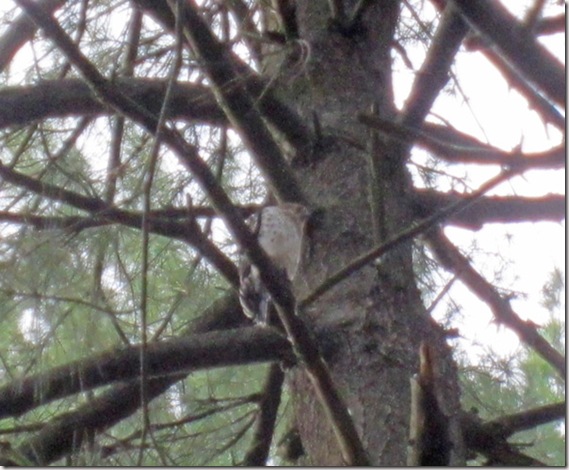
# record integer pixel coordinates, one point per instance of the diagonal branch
(490, 442)
(454, 261)
(406, 235)
(274, 110)
(517, 45)
(20, 31)
(434, 73)
(66, 433)
(263, 435)
(240, 108)
(69, 430)
(529, 419)
(457, 147)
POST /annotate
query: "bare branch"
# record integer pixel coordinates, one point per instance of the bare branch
(451, 258)
(528, 419)
(492, 209)
(165, 358)
(434, 72)
(517, 44)
(551, 25)
(69, 430)
(280, 115)
(457, 147)
(492, 444)
(73, 97)
(266, 420)
(21, 31)
(240, 108)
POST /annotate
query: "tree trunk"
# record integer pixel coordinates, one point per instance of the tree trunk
(369, 326)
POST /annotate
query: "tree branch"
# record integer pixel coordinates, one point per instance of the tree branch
(20, 31)
(434, 72)
(457, 147)
(405, 235)
(240, 107)
(492, 209)
(529, 419)
(171, 357)
(263, 435)
(517, 44)
(274, 110)
(493, 445)
(21, 105)
(74, 97)
(304, 346)
(68, 431)
(104, 214)
(451, 258)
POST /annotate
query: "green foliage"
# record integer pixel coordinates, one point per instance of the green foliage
(498, 386)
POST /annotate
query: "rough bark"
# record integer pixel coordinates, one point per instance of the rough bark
(370, 325)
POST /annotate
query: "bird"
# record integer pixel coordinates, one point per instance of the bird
(280, 231)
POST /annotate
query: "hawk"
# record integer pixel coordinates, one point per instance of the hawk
(280, 230)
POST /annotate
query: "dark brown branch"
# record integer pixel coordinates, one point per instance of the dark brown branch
(493, 209)
(492, 444)
(457, 147)
(73, 97)
(240, 107)
(551, 25)
(191, 102)
(266, 420)
(170, 222)
(274, 110)
(511, 424)
(517, 44)
(20, 31)
(171, 357)
(42, 222)
(434, 73)
(541, 105)
(454, 261)
(68, 431)
(90, 204)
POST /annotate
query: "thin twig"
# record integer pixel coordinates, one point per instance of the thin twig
(147, 203)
